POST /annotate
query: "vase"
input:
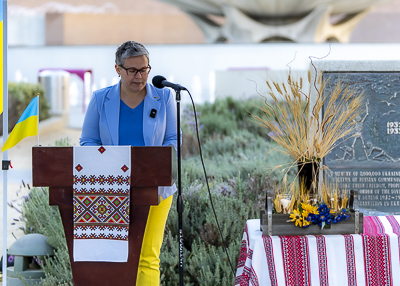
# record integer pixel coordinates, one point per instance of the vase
(308, 176)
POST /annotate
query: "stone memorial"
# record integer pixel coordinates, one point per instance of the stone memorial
(369, 161)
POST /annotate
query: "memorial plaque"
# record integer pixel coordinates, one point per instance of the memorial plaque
(369, 162)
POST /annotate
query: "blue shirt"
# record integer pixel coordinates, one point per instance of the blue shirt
(131, 125)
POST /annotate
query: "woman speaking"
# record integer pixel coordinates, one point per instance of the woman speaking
(134, 112)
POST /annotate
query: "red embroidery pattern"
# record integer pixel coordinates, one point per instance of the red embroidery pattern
(101, 180)
(253, 277)
(242, 254)
(242, 279)
(101, 196)
(249, 275)
(101, 209)
(95, 191)
(322, 260)
(373, 225)
(394, 223)
(296, 260)
(267, 240)
(350, 260)
(100, 232)
(377, 260)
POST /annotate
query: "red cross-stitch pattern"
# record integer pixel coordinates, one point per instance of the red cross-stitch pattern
(322, 260)
(100, 232)
(394, 223)
(101, 209)
(112, 191)
(295, 257)
(377, 260)
(269, 252)
(110, 180)
(350, 260)
(101, 189)
(243, 254)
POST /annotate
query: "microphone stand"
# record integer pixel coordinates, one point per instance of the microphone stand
(179, 199)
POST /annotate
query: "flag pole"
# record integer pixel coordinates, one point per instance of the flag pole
(5, 134)
(38, 104)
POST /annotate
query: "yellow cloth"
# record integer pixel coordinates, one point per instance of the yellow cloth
(149, 261)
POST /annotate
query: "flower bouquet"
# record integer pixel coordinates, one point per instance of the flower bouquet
(307, 214)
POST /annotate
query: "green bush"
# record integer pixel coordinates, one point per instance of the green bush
(42, 218)
(238, 173)
(38, 216)
(225, 117)
(20, 94)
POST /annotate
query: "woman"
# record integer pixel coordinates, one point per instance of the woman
(134, 112)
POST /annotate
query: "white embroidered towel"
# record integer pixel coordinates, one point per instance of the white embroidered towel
(101, 196)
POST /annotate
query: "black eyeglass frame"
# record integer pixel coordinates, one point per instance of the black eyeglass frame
(142, 71)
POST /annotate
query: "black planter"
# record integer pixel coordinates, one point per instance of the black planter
(308, 173)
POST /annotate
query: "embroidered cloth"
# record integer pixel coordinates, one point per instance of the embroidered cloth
(371, 258)
(101, 185)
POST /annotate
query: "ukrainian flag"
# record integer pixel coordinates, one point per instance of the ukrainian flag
(26, 126)
(1, 57)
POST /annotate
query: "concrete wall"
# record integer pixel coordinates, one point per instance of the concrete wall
(105, 29)
(88, 22)
(26, 30)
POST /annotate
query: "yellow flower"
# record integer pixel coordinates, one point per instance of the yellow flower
(305, 221)
(305, 213)
(309, 209)
(297, 217)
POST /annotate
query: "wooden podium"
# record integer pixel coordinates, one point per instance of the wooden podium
(151, 167)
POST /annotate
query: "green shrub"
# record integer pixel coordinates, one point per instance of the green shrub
(24, 92)
(20, 94)
(225, 116)
(238, 172)
(42, 218)
(39, 217)
(206, 262)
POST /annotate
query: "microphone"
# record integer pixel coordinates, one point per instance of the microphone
(160, 82)
(153, 113)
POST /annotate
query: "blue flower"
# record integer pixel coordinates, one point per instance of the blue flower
(325, 217)
(323, 209)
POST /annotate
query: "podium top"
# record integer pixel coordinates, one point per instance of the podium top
(151, 166)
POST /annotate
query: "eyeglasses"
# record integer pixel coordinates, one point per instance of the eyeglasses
(134, 72)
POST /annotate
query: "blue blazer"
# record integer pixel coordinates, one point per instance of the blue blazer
(101, 124)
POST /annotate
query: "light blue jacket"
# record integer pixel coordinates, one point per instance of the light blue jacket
(101, 124)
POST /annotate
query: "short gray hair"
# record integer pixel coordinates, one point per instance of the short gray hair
(130, 49)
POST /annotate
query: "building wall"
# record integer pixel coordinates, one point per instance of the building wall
(105, 29)
(87, 22)
(92, 22)
(378, 27)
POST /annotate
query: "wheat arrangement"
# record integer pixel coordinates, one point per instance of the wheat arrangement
(308, 123)
(297, 120)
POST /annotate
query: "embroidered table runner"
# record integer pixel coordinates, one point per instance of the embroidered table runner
(101, 203)
(372, 258)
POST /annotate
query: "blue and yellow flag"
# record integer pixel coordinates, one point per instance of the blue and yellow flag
(1, 57)
(26, 126)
